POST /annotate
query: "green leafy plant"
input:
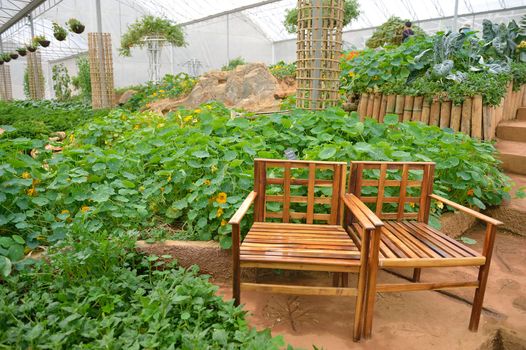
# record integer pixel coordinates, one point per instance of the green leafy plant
(22, 51)
(6, 57)
(82, 81)
(282, 70)
(351, 10)
(61, 82)
(59, 32)
(500, 38)
(233, 63)
(75, 26)
(390, 33)
(150, 26)
(31, 47)
(40, 40)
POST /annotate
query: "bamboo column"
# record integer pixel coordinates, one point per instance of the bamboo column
(102, 92)
(476, 117)
(383, 108)
(426, 110)
(465, 120)
(6, 88)
(391, 101)
(362, 106)
(417, 108)
(445, 114)
(434, 113)
(399, 105)
(318, 49)
(35, 76)
(456, 112)
(408, 108)
(376, 105)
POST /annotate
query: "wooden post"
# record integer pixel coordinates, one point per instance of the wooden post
(456, 112)
(376, 105)
(434, 113)
(236, 267)
(445, 114)
(370, 106)
(417, 108)
(476, 117)
(362, 106)
(465, 120)
(391, 101)
(408, 108)
(383, 107)
(399, 105)
(426, 110)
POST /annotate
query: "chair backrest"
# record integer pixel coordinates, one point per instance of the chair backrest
(299, 191)
(393, 190)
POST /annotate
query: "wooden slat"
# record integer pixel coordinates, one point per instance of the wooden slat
(286, 193)
(383, 107)
(369, 199)
(417, 245)
(299, 199)
(444, 262)
(399, 105)
(302, 182)
(370, 106)
(391, 101)
(337, 179)
(362, 106)
(399, 243)
(298, 163)
(456, 112)
(414, 287)
(417, 108)
(445, 114)
(465, 120)
(298, 216)
(298, 260)
(376, 106)
(426, 110)
(434, 113)
(394, 216)
(381, 188)
(352, 266)
(408, 108)
(310, 193)
(445, 248)
(300, 290)
(403, 192)
(476, 117)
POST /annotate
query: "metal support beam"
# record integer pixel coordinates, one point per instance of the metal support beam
(24, 12)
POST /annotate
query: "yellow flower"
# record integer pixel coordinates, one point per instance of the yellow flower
(161, 90)
(440, 205)
(141, 188)
(136, 127)
(26, 175)
(84, 208)
(207, 182)
(221, 198)
(31, 192)
(412, 205)
(65, 211)
(197, 110)
(71, 138)
(187, 118)
(351, 74)
(224, 222)
(169, 178)
(219, 212)
(160, 125)
(35, 182)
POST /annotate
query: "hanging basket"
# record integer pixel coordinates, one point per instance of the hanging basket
(22, 51)
(13, 55)
(7, 59)
(78, 28)
(44, 43)
(31, 48)
(1, 62)
(60, 36)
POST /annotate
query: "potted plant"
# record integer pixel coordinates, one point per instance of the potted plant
(31, 47)
(75, 25)
(13, 55)
(1, 61)
(522, 51)
(59, 32)
(5, 57)
(41, 40)
(150, 27)
(22, 51)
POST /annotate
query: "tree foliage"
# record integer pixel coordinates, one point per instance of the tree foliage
(351, 11)
(390, 33)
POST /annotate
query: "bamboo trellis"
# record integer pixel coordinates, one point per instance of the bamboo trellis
(6, 88)
(101, 70)
(318, 53)
(472, 117)
(35, 76)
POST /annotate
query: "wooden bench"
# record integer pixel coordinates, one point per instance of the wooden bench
(396, 197)
(298, 207)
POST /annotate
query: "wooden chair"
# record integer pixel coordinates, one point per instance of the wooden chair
(297, 225)
(400, 193)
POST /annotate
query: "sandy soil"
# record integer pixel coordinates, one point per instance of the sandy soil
(411, 320)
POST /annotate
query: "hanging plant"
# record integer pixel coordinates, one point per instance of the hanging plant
(75, 25)
(6, 57)
(41, 40)
(59, 32)
(1, 61)
(13, 55)
(31, 47)
(150, 26)
(22, 51)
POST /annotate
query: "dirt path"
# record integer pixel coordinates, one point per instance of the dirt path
(415, 320)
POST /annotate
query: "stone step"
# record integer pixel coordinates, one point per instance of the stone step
(512, 130)
(521, 113)
(513, 212)
(513, 156)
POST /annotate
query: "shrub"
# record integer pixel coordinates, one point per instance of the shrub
(61, 82)
(351, 10)
(82, 81)
(233, 63)
(282, 70)
(390, 33)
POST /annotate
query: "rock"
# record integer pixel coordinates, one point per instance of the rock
(60, 134)
(125, 97)
(1, 131)
(53, 148)
(251, 87)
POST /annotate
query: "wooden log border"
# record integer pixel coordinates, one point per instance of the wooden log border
(471, 117)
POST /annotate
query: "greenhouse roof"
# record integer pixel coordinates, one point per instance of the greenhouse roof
(266, 15)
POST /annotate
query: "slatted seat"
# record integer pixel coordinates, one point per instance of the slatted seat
(396, 197)
(419, 245)
(306, 247)
(298, 207)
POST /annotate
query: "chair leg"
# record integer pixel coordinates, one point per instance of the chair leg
(416, 274)
(478, 300)
(371, 285)
(358, 309)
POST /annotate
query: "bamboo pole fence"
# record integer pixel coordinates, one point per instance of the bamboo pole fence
(101, 71)
(35, 76)
(471, 117)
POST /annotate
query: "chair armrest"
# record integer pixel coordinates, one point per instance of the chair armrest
(466, 210)
(365, 216)
(240, 213)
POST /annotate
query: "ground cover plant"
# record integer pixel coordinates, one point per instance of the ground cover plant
(282, 70)
(35, 119)
(192, 168)
(93, 291)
